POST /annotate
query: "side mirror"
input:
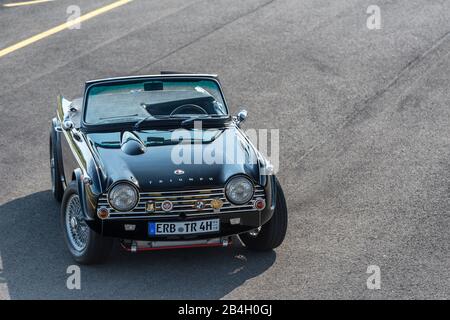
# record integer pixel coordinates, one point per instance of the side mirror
(67, 125)
(241, 116)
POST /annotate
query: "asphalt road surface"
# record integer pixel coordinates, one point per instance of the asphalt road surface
(364, 142)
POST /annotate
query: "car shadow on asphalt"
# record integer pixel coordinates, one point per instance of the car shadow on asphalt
(35, 261)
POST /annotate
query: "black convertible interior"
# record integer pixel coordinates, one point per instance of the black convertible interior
(173, 102)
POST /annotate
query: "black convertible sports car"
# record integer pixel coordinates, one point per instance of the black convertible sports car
(158, 162)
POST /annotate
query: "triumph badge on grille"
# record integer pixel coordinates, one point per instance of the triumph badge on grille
(167, 205)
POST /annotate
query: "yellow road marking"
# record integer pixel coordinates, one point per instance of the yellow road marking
(62, 27)
(25, 3)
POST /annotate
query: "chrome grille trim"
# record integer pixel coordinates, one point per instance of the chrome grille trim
(183, 202)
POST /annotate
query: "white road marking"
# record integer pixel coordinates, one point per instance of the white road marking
(25, 3)
(62, 27)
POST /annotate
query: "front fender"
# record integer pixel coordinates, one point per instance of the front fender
(87, 201)
(271, 198)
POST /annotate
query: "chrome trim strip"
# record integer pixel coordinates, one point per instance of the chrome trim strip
(71, 146)
(148, 217)
(171, 197)
(139, 77)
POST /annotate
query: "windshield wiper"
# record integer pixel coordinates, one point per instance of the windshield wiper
(137, 125)
(200, 117)
(185, 122)
(118, 117)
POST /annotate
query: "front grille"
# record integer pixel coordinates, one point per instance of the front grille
(183, 203)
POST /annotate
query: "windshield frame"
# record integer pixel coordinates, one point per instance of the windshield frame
(138, 79)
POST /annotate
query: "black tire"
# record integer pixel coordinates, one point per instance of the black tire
(272, 233)
(96, 248)
(55, 174)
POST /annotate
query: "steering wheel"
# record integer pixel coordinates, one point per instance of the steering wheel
(191, 108)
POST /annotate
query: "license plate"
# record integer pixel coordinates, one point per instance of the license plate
(185, 227)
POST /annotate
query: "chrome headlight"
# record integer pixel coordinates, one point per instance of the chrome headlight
(123, 197)
(239, 190)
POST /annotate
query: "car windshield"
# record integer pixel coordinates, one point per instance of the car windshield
(132, 101)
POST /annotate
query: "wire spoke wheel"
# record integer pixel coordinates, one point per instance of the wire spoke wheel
(76, 227)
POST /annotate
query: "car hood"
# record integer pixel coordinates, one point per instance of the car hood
(163, 163)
